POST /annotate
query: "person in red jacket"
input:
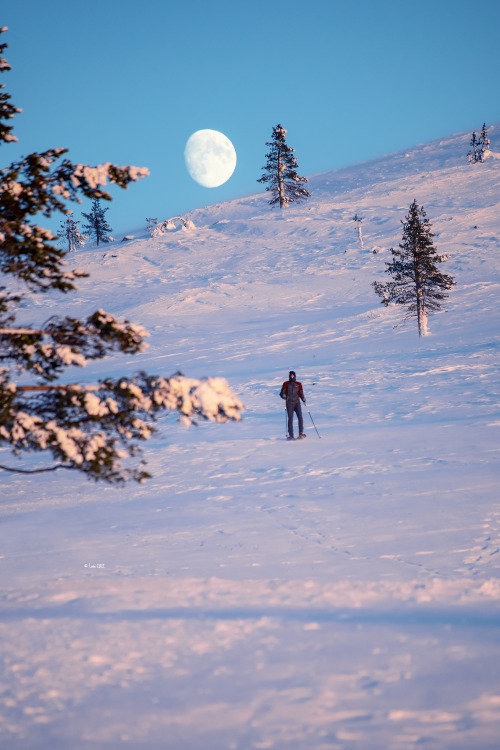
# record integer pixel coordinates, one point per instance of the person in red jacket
(293, 393)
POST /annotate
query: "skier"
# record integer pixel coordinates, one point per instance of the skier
(293, 393)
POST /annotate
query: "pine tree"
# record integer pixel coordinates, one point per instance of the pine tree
(69, 233)
(97, 226)
(483, 143)
(473, 155)
(417, 281)
(89, 428)
(280, 171)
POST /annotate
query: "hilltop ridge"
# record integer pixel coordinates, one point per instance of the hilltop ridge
(242, 257)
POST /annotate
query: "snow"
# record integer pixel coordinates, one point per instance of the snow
(335, 593)
(12, 187)
(99, 175)
(94, 405)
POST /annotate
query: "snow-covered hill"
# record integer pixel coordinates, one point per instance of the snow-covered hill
(341, 592)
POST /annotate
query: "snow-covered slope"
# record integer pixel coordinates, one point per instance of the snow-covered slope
(341, 592)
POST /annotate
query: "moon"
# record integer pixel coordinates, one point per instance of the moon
(210, 158)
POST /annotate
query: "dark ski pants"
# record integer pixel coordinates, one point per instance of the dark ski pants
(291, 408)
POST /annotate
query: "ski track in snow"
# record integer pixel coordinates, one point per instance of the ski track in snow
(339, 593)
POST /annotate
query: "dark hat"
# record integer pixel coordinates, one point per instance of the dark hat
(292, 373)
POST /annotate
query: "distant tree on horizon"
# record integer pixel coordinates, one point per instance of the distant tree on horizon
(69, 232)
(280, 171)
(417, 282)
(97, 226)
(473, 155)
(483, 143)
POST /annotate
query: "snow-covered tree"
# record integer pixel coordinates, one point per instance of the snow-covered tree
(473, 154)
(483, 143)
(280, 171)
(97, 226)
(69, 233)
(357, 221)
(90, 428)
(417, 281)
(170, 224)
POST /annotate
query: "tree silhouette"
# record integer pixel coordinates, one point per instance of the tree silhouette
(280, 171)
(417, 281)
(97, 226)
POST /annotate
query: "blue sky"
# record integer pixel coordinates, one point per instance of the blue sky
(129, 82)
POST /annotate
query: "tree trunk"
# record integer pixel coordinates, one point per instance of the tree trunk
(421, 313)
(360, 236)
(281, 191)
(68, 235)
(419, 292)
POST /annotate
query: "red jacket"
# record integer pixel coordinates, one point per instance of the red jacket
(295, 393)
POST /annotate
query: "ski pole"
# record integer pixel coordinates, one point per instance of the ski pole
(312, 420)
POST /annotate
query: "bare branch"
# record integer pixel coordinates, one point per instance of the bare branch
(37, 471)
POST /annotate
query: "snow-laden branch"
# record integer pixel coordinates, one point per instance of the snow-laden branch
(95, 176)
(67, 341)
(94, 427)
(20, 331)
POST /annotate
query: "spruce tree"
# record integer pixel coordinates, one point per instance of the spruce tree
(69, 233)
(280, 171)
(97, 226)
(417, 282)
(483, 143)
(473, 154)
(90, 428)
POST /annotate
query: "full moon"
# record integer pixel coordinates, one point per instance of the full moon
(210, 157)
